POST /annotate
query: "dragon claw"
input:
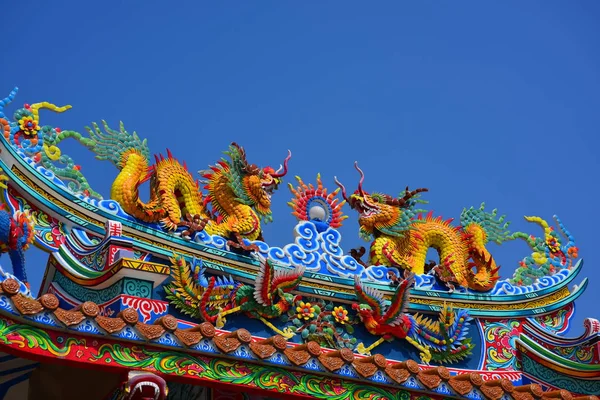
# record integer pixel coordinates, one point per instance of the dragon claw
(242, 245)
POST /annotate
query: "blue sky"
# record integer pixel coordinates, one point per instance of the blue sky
(485, 101)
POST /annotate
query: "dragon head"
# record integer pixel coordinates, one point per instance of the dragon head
(144, 386)
(380, 212)
(258, 184)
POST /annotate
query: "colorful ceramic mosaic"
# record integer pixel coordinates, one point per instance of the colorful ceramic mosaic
(185, 287)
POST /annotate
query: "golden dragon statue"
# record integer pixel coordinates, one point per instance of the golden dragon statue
(239, 193)
(402, 237)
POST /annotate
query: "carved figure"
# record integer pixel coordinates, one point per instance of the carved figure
(240, 195)
(239, 192)
(16, 235)
(447, 337)
(388, 322)
(195, 295)
(170, 183)
(268, 298)
(441, 341)
(213, 299)
(402, 236)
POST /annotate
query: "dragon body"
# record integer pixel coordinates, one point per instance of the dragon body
(173, 191)
(16, 235)
(443, 340)
(239, 192)
(402, 237)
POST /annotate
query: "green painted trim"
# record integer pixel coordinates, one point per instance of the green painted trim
(554, 378)
(543, 352)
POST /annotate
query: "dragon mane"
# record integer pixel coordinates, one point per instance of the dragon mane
(402, 218)
(235, 171)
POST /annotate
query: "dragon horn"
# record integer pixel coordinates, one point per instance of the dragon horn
(360, 189)
(362, 179)
(344, 195)
(278, 174)
(408, 195)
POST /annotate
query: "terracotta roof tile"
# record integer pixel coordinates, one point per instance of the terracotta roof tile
(298, 355)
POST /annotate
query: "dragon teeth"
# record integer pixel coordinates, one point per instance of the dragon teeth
(141, 385)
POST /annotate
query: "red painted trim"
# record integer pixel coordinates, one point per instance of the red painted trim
(78, 357)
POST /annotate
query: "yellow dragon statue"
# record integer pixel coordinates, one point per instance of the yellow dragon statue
(239, 192)
(402, 237)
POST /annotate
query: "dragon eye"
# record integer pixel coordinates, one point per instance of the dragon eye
(377, 197)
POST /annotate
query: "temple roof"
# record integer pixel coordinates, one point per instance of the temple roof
(343, 364)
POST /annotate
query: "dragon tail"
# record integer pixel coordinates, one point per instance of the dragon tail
(542, 223)
(549, 253)
(530, 240)
(115, 145)
(447, 337)
(479, 228)
(493, 228)
(7, 100)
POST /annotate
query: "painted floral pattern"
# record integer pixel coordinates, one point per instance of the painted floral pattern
(500, 340)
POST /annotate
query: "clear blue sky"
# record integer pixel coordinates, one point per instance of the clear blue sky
(478, 101)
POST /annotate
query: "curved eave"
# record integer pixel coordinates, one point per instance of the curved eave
(73, 211)
(541, 306)
(555, 362)
(145, 270)
(555, 340)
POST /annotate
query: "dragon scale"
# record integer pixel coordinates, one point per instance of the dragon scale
(239, 192)
(176, 192)
(235, 216)
(453, 244)
(402, 236)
